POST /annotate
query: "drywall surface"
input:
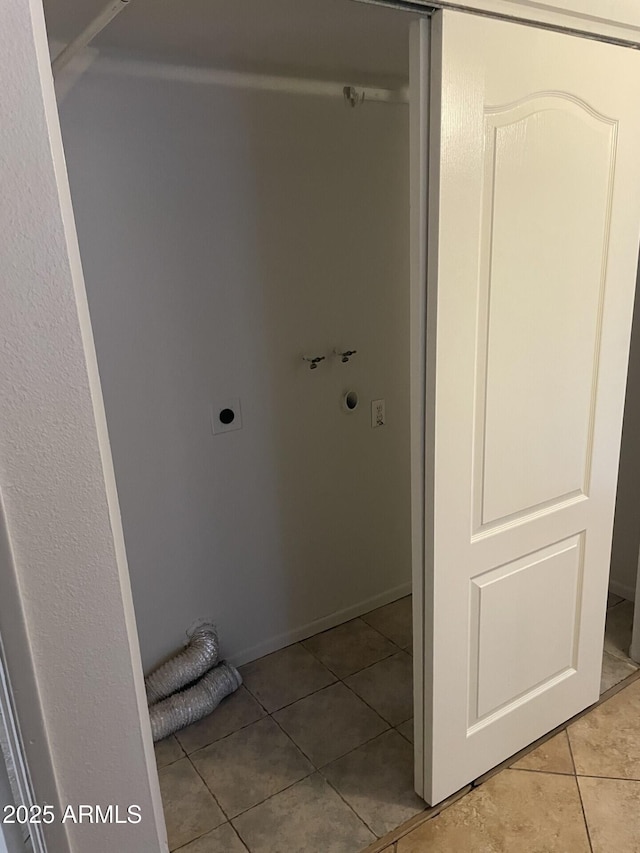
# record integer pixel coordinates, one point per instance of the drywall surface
(626, 528)
(224, 234)
(63, 582)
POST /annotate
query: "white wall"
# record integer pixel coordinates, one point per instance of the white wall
(66, 618)
(224, 234)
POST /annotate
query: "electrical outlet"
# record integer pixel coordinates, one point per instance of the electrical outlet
(378, 414)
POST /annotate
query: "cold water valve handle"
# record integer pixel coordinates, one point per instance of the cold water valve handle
(313, 361)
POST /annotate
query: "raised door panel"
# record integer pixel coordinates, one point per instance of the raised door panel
(513, 651)
(544, 231)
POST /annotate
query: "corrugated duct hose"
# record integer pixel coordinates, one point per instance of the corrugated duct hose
(171, 707)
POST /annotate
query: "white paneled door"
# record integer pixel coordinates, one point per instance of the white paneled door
(532, 209)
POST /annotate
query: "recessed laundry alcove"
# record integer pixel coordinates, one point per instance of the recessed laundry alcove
(360, 283)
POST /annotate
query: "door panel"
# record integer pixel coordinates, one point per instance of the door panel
(514, 652)
(533, 230)
(540, 294)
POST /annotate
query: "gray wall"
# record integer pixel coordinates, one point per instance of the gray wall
(626, 529)
(223, 234)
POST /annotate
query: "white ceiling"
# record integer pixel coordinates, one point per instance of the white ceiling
(324, 38)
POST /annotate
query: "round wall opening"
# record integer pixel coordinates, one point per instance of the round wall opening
(227, 416)
(351, 401)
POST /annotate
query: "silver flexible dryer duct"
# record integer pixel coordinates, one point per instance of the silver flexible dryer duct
(194, 703)
(200, 655)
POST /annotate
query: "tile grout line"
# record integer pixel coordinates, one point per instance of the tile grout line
(397, 729)
(242, 841)
(299, 748)
(289, 704)
(275, 794)
(355, 748)
(573, 761)
(357, 695)
(371, 708)
(532, 770)
(342, 624)
(170, 763)
(230, 734)
(348, 805)
(362, 669)
(575, 776)
(240, 838)
(215, 799)
(252, 694)
(333, 761)
(197, 838)
(204, 834)
(364, 619)
(607, 778)
(375, 663)
(271, 796)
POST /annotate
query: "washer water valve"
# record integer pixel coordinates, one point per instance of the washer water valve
(313, 361)
(346, 355)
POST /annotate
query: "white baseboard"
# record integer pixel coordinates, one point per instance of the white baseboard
(625, 590)
(304, 631)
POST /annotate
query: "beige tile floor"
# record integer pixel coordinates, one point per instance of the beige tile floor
(313, 755)
(577, 793)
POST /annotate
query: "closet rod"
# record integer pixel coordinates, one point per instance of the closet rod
(113, 8)
(301, 86)
(354, 94)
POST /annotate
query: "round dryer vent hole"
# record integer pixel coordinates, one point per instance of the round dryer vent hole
(226, 415)
(351, 401)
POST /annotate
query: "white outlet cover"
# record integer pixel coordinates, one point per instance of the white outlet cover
(378, 414)
(217, 425)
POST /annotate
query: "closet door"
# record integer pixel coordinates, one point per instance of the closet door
(532, 160)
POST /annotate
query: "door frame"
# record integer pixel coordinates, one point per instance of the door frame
(634, 650)
(421, 335)
(616, 21)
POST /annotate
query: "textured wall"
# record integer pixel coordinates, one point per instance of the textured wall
(225, 233)
(55, 475)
